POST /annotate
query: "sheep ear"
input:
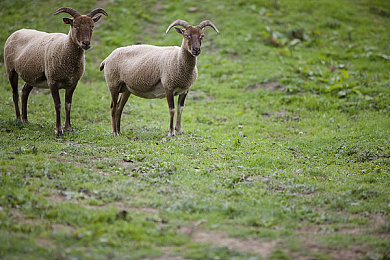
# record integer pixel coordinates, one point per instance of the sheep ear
(179, 30)
(67, 20)
(96, 18)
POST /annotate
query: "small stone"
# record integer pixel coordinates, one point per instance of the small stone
(192, 9)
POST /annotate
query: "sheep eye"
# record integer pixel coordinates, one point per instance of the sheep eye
(201, 37)
(187, 36)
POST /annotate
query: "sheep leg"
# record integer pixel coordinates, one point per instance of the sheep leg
(13, 80)
(25, 93)
(57, 105)
(171, 104)
(68, 105)
(122, 102)
(114, 102)
(180, 107)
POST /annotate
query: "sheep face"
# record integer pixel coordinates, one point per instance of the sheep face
(81, 29)
(193, 36)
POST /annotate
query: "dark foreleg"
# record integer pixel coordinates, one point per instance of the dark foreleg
(57, 105)
(13, 80)
(68, 106)
(25, 93)
(114, 103)
(180, 107)
(171, 105)
(122, 102)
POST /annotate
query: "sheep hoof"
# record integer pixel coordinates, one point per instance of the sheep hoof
(68, 128)
(171, 133)
(60, 133)
(24, 120)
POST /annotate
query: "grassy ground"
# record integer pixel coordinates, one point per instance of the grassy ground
(285, 153)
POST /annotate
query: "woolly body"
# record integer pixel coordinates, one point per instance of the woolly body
(147, 71)
(41, 58)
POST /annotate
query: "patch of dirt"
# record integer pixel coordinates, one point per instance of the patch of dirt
(270, 85)
(340, 253)
(220, 238)
(262, 248)
(43, 242)
(57, 227)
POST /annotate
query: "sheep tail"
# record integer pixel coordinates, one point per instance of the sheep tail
(102, 65)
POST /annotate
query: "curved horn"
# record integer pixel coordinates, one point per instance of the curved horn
(178, 22)
(97, 11)
(68, 10)
(207, 23)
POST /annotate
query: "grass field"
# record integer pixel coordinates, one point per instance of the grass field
(285, 155)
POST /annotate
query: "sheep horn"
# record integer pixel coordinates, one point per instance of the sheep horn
(97, 11)
(207, 23)
(178, 22)
(68, 10)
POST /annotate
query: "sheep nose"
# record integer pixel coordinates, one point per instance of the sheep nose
(196, 51)
(85, 45)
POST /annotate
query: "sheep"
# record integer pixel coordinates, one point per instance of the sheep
(50, 60)
(149, 71)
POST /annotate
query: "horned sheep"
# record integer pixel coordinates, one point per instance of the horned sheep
(50, 60)
(151, 72)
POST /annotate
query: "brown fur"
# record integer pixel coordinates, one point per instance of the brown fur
(48, 60)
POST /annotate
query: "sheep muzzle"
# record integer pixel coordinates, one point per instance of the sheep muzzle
(195, 51)
(85, 45)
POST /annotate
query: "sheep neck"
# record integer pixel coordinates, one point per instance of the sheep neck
(186, 59)
(73, 46)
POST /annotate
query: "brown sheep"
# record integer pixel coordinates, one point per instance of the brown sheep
(155, 72)
(50, 60)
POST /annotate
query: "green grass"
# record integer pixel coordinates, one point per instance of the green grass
(285, 153)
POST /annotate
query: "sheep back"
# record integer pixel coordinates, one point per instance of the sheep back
(40, 58)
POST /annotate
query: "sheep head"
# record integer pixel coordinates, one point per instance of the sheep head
(192, 35)
(81, 25)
